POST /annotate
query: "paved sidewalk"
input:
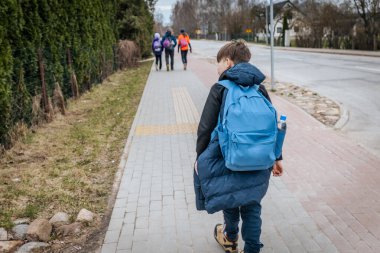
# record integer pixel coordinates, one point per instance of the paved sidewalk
(327, 201)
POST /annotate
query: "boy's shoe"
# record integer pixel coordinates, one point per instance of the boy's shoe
(184, 66)
(167, 67)
(227, 245)
(156, 67)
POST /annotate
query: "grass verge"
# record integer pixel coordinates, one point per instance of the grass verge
(70, 163)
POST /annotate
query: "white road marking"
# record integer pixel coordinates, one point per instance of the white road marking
(370, 69)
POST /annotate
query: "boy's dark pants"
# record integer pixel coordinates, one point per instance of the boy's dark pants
(184, 56)
(159, 59)
(251, 227)
(170, 53)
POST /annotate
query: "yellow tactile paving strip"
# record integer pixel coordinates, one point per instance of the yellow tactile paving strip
(184, 107)
(187, 117)
(166, 129)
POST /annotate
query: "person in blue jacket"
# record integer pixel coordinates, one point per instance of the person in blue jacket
(249, 186)
(169, 42)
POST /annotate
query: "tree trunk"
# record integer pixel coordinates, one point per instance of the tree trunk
(43, 83)
(374, 42)
(73, 78)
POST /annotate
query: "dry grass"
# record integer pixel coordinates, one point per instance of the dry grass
(70, 163)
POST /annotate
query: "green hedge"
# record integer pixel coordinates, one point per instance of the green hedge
(87, 30)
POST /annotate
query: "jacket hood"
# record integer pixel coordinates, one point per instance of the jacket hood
(244, 74)
(156, 36)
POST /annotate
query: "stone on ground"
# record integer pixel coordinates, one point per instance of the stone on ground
(72, 229)
(33, 247)
(19, 231)
(39, 230)
(9, 246)
(85, 216)
(59, 219)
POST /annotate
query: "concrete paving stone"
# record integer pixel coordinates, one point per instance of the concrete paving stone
(125, 243)
(154, 227)
(184, 249)
(112, 236)
(155, 214)
(127, 229)
(122, 194)
(133, 197)
(155, 196)
(156, 205)
(130, 218)
(118, 213)
(109, 248)
(142, 223)
(167, 201)
(124, 251)
(140, 234)
(121, 203)
(143, 211)
(143, 201)
(131, 207)
(144, 192)
(115, 224)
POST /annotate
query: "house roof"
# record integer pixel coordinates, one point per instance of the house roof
(278, 6)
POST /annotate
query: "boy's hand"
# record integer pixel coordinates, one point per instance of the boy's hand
(196, 167)
(277, 169)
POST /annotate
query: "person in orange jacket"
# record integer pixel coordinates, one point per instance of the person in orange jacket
(184, 45)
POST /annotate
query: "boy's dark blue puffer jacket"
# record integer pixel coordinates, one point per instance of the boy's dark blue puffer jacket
(216, 187)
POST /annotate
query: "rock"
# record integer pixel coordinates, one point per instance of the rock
(9, 246)
(85, 216)
(3, 234)
(39, 230)
(332, 112)
(33, 247)
(59, 219)
(22, 221)
(72, 229)
(19, 231)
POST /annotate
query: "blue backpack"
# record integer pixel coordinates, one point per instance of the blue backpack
(247, 129)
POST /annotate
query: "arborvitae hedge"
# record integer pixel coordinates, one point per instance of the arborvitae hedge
(85, 30)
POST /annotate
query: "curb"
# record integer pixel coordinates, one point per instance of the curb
(329, 51)
(145, 60)
(120, 171)
(344, 117)
(124, 157)
(316, 50)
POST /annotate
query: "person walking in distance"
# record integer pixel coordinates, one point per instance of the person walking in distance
(184, 45)
(157, 50)
(169, 42)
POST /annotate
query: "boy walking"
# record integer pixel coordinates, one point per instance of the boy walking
(169, 42)
(237, 191)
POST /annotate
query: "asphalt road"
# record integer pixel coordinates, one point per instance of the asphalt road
(353, 81)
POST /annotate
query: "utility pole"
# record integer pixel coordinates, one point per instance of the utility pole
(271, 45)
(266, 25)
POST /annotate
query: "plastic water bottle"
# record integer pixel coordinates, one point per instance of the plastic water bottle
(282, 123)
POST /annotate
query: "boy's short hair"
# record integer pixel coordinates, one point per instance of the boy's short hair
(236, 50)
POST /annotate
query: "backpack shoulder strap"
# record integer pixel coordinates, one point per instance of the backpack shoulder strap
(227, 84)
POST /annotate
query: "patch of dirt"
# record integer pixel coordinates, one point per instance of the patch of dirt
(322, 108)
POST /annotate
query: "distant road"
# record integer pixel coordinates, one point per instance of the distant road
(353, 81)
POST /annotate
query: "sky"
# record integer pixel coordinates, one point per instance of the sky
(165, 7)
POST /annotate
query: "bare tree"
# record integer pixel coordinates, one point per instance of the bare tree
(159, 23)
(369, 11)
